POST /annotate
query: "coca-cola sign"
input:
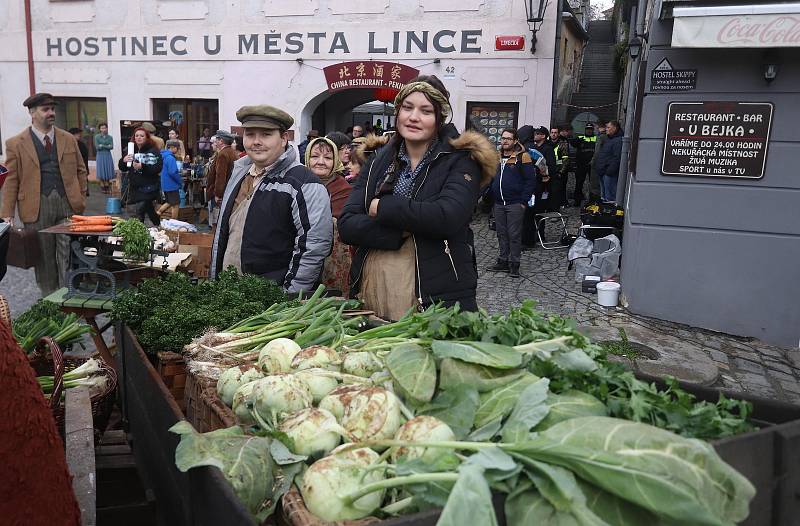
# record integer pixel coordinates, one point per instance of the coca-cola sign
(781, 30)
(772, 30)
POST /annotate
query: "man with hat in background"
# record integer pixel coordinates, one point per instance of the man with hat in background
(275, 219)
(152, 131)
(219, 171)
(301, 148)
(46, 183)
(78, 134)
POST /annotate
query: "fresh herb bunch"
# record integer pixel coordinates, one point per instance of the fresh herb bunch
(41, 310)
(167, 313)
(45, 318)
(135, 239)
(524, 324)
(632, 399)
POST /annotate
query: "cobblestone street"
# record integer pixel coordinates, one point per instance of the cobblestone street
(688, 353)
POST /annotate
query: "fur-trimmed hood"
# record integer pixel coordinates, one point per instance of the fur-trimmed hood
(480, 150)
(373, 142)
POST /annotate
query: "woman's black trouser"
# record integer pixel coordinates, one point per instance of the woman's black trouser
(146, 208)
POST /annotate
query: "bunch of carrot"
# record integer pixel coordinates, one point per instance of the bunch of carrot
(92, 223)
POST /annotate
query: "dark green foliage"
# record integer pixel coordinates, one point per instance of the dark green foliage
(624, 395)
(633, 399)
(168, 313)
(135, 239)
(521, 325)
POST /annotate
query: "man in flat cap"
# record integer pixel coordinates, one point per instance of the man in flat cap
(151, 129)
(219, 171)
(275, 219)
(46, 183)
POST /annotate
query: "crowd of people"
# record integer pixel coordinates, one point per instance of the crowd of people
(383, 216)
(532, 179)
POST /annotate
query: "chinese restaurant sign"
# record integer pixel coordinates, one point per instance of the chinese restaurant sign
(368, 74)
(718, 139)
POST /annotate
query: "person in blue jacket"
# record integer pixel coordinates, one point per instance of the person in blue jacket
(513, 186)
(171, 178)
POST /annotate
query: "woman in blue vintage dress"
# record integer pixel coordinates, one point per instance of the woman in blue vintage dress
(103, 144)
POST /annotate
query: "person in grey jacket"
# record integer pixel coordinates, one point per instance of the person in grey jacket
(275, 219)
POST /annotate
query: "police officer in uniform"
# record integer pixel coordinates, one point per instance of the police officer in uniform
(585, 146)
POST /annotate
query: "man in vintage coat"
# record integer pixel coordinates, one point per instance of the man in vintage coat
(46, 183)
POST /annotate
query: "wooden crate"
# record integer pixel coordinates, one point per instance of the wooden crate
(172, 369)
(199, 239)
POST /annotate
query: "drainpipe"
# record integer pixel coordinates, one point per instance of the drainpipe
(29, 42)
(556, 63)
(637, 25)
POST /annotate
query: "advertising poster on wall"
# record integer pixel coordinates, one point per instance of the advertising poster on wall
(490, 118)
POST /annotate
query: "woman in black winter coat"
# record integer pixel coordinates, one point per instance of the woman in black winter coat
(410, 210)
(144, 174)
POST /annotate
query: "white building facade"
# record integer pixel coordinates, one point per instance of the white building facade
(195, 62)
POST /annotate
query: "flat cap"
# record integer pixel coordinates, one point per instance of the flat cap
(39, 99)
(224, 135)
(149, 127)
(264, 116)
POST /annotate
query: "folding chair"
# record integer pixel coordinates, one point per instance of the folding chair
(542, 219)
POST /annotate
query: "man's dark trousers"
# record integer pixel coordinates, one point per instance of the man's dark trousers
(581, 173)
(509, 219)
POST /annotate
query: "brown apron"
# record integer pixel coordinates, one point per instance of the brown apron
(336, 271)
(388, 284)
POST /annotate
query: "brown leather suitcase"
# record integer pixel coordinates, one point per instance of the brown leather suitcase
(23, 248)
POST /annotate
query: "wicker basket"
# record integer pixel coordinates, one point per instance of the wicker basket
(102, 403)
(293, 512)
(204, 410)
(172, 369)
(5, 310)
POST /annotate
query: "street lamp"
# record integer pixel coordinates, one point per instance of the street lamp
(534, 10)
(635, 47)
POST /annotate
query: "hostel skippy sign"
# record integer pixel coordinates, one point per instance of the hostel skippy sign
(717, 139)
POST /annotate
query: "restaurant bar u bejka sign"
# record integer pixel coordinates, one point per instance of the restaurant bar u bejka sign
(719, 139)
(151, 59)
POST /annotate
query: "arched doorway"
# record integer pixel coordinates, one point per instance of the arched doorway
(334, 111)
(580, 120)
(350, 85)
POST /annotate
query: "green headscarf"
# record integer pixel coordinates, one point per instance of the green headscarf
(338, 167)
